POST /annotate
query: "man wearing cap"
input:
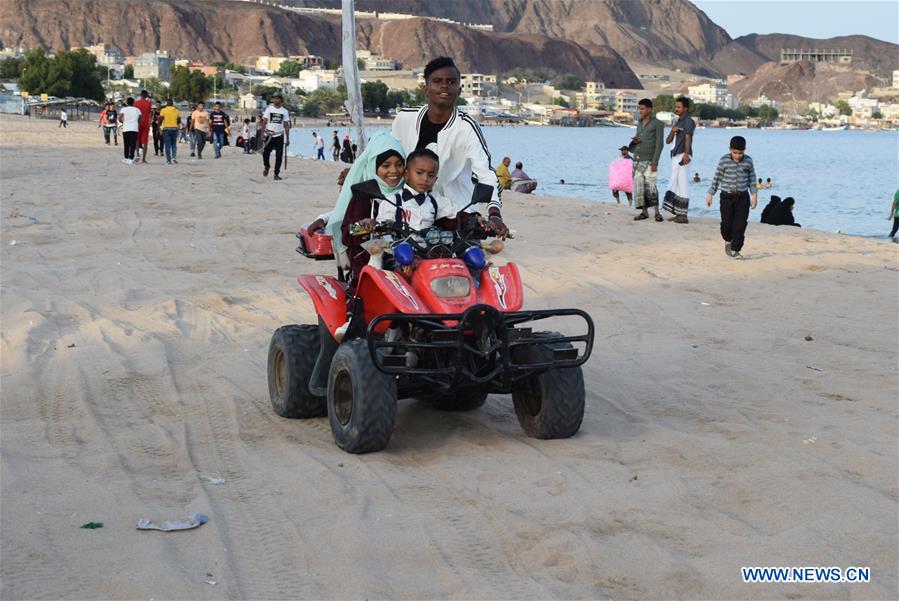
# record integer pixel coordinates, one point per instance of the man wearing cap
(276, 123)
(621, 176)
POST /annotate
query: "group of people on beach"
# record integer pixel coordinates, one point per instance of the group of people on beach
(345, 152)
(637, 175)
(516, 180)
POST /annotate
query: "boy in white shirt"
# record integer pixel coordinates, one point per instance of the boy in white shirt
(417, 206)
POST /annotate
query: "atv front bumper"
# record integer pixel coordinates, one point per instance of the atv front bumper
(480, 348)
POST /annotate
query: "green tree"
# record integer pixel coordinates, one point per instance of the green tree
(812, 115)
(397, 98)
(559, 101)
(331, 64)
(843, 107)
(11, 68)
(461, 101)
(531, 74)
(374, 97)
(289, 69)
(568, 82)
(325, 100)
(767, 114)
(129, 72)
(877, 115)
(66, 74)
(360, 64)
(190, 86)
(265, 92)
(663, 102)
(419, 97)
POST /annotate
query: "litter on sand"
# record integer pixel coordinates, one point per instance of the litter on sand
(213, 479)
(92, 525)
(188, 523)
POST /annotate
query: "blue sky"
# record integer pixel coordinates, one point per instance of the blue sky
(811, 18)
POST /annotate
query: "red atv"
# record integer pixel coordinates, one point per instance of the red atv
(433, 326)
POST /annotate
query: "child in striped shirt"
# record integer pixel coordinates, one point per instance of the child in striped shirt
(736, 177)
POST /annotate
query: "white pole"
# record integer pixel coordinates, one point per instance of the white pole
(351, 73)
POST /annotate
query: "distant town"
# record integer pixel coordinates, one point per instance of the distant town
(313, 87)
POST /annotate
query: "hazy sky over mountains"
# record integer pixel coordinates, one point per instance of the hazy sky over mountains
(810, 18)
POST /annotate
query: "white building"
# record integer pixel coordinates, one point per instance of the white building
(106, 54)
(762, 101)
(269, 64)
(714, 92)
(251, 102)
(478, 84)
(373, 62)
(824, 109)
(153, 64)
(863, 107)
(896, 78)
(626, 102)
(310, 81)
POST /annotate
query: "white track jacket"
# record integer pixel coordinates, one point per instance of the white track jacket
(464, 158)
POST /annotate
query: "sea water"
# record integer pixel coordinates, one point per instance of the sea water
(841, 180)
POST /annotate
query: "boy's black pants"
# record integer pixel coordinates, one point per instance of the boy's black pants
(734, 217)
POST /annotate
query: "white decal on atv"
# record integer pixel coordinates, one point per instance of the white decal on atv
(446, 266)
(499, 283)
(399, 286)
(327, 286)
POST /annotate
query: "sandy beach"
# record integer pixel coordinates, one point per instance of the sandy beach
(739, 413)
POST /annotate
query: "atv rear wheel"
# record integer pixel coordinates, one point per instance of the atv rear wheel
(361, 400)
(549, 405)
(464, 400)
(291, 359)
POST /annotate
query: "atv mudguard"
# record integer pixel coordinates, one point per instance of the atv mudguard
(387, 292)
(328, 297)
(500, 287)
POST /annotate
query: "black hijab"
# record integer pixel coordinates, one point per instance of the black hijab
(770, 209)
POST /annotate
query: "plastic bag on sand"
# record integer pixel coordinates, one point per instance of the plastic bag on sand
(188, 523)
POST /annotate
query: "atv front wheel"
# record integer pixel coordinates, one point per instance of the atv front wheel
(361, 400)
(549, 405)
(291, 359)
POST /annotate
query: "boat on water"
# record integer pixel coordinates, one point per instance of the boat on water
(835, 128)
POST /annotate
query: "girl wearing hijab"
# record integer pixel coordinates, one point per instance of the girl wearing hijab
(770, 209)
(382, 161)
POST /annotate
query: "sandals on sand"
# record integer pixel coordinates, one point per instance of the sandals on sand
(659, 218)
(641, 217)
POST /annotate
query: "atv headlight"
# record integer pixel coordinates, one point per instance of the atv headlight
(451, 286)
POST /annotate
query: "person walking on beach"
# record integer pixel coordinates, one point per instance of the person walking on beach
(130, 119)
(276, 121)
(63, 119)
(247, 137)
(110, 123)
(735, 176)
(676, 198)
(346, 154)
(146, 112)
(199, 125)
(220, 123)
(335, 147)
(319, 145)
(647, 148)
(156, 129)
(171, 125)
(894, 213)
(455, 137)
(621, 176)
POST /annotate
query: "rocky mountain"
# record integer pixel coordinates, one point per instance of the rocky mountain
(200, 29)
(673, 33)
(239, 31)
(876, 56)
(414, 42)
(797, 84)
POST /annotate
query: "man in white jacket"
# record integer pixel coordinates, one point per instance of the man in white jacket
(454, 136)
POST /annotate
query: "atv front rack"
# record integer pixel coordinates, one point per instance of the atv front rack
(481, 347)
